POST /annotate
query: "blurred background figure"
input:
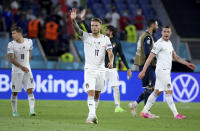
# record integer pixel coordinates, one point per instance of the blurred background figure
(131, 34)
(139, 21)
(113, 17)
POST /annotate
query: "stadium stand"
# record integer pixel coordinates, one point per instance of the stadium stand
(184, 18)
(99, 8)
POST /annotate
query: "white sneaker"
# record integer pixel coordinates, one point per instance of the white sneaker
(92, 120)
(133, 106)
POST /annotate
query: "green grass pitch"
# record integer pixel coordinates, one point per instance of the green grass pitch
(71, 116)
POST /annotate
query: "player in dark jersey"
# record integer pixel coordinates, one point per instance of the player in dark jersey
(144, 46)
(111, 74)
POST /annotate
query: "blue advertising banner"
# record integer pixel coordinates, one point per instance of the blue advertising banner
(69, 85)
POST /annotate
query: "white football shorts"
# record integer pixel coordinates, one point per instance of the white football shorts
(22, 79)
(94, 80)
(163, 80)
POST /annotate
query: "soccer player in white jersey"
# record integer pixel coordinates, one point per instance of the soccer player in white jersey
(95, 47)
(19, 52)
(164, 52)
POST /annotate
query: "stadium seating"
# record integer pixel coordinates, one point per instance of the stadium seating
(103, 7)
(3, 48)
(131, 1)
(129, 50)
(80, 48)
(183, 51)
(197, 69)
(71, 66)
(36, 54)
(184, 18)
(37, 64)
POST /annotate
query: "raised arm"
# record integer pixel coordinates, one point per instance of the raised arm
(111, 58)
(74, 23)
(148, 61)
(182, 61)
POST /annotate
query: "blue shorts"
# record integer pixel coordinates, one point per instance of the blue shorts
(149, 78)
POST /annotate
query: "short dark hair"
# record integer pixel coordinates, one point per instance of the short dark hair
(166, 26)
(16, 28)
(150, 22)
(112, 29)
(97, 20)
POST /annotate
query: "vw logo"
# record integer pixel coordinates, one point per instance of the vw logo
(186, 88)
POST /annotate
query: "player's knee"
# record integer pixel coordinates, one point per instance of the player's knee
(169, 92)
(157, 92)
(91, 93)
(29, 91)
(14, 93)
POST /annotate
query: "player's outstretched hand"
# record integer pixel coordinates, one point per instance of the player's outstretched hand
(141, 75)
(190, 65)
(110, 65)
(25, 69)
(73, 13)
(83, 12)
(129, 73)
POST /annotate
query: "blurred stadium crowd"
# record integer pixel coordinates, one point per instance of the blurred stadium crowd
(49, 20)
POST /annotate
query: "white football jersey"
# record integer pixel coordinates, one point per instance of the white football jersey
(163, 50)
(21, 53)
(95, 50)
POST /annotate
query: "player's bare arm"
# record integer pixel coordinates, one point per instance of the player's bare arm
(147, 63)
(111, 58)
(74, 23)
(12, 60)
(182, 61)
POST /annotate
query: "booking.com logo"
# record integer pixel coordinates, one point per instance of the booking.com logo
(71, 87)
(186, 88)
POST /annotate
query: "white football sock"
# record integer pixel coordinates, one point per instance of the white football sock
(14, 103)
(170, 102)
(116, 96)
(96, 103)
(151, 100)
(91, 106)
(31, 101)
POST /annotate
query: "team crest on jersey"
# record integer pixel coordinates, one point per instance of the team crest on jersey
(23, 47)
